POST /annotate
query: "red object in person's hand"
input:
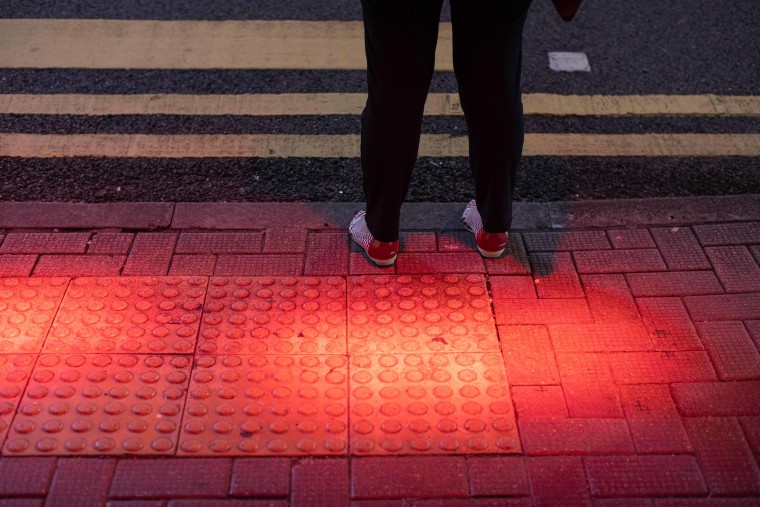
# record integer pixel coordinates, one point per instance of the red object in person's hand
(567, 8)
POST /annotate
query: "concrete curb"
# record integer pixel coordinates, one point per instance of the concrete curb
(327, 215)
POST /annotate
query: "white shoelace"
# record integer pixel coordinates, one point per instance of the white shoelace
(471, 218)
(359, 230)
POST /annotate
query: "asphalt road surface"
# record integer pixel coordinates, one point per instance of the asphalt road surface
(676, 48)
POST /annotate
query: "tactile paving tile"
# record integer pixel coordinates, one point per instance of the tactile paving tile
(267, 315)
(429, 313)
(27, 307)
(266, 405)
(129, 315)
(100, 404)
(14, 372)
(431, 404)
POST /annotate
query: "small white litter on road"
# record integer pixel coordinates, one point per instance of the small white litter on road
(569, 62)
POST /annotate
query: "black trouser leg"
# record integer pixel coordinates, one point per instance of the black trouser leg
(400, 40)
(487, 38)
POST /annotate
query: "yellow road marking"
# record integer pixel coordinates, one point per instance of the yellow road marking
(438, 104)
(148, 44)
(347, 146)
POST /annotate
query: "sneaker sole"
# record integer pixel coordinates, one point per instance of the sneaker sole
(387, 262)
(491, 255)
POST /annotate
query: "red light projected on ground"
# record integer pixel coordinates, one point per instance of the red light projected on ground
(363, 365)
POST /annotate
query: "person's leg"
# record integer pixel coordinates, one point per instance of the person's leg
(400, 40)
(487, 39)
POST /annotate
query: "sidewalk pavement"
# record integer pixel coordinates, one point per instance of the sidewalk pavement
(239, 354)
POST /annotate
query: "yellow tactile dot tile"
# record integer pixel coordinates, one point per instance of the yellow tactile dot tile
(266, 405)
(14, 373)
(129, 315)
(266, 315)
(430, 404)
(27, 307)
(429, 313)
(100, 404)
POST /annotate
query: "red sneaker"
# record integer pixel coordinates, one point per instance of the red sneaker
(382, 253)
(567, 8)
(490, 244)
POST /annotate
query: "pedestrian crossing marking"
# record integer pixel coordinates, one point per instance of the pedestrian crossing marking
(347, 146)
(151, 44)
(438, 104)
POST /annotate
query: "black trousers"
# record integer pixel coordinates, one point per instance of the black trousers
(400, 41)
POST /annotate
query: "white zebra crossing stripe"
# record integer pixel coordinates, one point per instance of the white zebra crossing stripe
(438, 104)
(347, 146)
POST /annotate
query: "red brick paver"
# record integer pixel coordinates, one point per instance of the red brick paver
(731, 350)
(528, 355)
(171, 478)
(562, 241)
(509, 287)
(728, 234)
(219, 243)
(539, 402)
(674, 283)
(618, 261)
(418, 242)
(409, 477)
(644, 476)
(285, 240)
(498, 476)
(717, 398)
(17, 265)
(151, 254)
(257, 265)
(110, 243)
(79, 265)
(724, 307)
(576, 436)
(327, 254)
(655, 424)
(457, 262)
(680, 248)
(45, 243)
(514, 261)
(669, 324)
(320, 483)
(554, 275)
(609, 298)
(736, 268)
(192, 265)
(625, 239)
(558, 480)
(25, 477)
(81, 482)
(260, 477)
(724, 455)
